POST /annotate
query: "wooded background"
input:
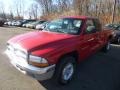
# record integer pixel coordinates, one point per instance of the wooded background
(107, 11)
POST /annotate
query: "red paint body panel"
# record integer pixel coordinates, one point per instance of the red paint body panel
(52, 46)
(34, 39)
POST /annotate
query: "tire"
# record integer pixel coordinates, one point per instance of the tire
(118, 40)
(65, 70)
(106, 48)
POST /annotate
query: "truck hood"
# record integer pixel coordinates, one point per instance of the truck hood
(35, 40)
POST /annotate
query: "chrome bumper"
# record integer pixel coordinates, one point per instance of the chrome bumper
(24, 67)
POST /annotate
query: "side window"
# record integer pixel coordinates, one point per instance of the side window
(90, 27)
(97, 25)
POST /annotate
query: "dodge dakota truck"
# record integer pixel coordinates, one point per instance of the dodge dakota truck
(56, 51)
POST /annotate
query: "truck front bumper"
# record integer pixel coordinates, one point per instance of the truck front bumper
(24, 67)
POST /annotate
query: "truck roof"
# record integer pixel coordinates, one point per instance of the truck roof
(81, 17)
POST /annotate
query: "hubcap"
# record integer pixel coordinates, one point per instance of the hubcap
(68, 71)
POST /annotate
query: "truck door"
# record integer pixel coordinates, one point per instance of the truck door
(94, 31)
(88, 39)
(91, 37)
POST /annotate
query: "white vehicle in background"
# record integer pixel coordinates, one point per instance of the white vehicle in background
(13, 23)
(9, 23)
(41, 26)
(25, 24)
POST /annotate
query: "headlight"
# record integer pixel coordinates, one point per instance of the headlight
(38, 61)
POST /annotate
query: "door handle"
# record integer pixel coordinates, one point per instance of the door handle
(91, 39)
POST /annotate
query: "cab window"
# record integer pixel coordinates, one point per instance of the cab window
(97, 25)
(90, 27)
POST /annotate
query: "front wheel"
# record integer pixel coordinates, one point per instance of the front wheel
(65, 70)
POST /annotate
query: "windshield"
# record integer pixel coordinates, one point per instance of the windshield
(66, 25)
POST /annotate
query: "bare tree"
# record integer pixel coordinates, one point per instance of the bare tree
(34, 10)
(114, 9)
(18, 7)
(2, 11)
(46, 5)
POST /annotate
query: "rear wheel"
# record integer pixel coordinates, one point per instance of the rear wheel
(118, 40)
(65, 70)
(106, 48)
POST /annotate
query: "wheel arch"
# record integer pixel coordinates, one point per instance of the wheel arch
(74, 54)
(59, 64)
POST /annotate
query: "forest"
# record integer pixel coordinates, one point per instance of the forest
(108, 11)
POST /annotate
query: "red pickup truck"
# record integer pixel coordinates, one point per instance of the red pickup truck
(55, 51)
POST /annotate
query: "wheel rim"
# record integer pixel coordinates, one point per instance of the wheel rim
(68, 71)
(108, 46)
